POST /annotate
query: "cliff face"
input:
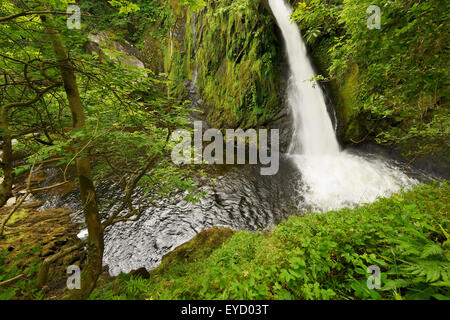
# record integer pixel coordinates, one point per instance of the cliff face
(227, 59)
(230, 54)
(342, 91)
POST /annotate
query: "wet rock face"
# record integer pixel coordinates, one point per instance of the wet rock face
(152, 54)
(283, 122)
(141, 272)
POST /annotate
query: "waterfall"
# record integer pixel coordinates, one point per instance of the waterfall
(331, 178)
(313, 133)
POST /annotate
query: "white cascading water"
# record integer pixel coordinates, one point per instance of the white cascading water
(331, 178)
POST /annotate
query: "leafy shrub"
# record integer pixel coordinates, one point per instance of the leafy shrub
(12, 266)
(401, 92)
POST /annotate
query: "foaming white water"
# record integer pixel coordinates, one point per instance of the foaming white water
(331, 178)
(332, 182)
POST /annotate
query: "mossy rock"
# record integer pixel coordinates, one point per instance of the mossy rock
(344, 94)
(141, 272)
(237, 57)
(200, 247)
(343, 91)
(153, 54)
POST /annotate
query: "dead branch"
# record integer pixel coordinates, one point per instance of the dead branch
(11, 280)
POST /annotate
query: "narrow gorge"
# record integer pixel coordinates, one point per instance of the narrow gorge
(107, 109)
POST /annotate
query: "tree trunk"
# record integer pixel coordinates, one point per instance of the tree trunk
(93, 267)
(8, 176)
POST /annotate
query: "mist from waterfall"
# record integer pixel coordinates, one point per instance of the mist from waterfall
(331, 178)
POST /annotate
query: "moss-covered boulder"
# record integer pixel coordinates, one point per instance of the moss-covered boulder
(200, 247)
(344, 94)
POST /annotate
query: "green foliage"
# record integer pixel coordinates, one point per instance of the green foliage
(402, 92)
(128, 116)
(133, 21)
(124, 6)
(11, 265)
(326, 256)
(318, 18)
(196, 5)
(230, 44)
(237, 58)
(131, 288)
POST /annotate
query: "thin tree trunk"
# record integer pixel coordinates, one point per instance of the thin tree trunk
(93, 268)
(8, 175)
